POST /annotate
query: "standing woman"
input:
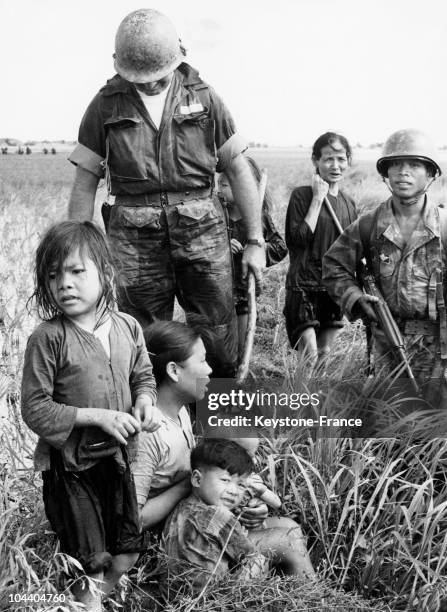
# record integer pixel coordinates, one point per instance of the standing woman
(313, 320)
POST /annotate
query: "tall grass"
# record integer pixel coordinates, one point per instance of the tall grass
(374, 510)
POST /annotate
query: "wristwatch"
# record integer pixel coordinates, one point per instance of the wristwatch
(256, 242)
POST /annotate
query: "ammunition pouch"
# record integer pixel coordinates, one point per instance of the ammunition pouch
(415, 327)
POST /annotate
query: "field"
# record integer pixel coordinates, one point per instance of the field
(374, 510)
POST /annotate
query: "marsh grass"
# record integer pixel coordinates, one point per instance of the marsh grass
(374, 510)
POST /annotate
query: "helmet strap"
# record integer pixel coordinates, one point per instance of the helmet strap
(418, 195)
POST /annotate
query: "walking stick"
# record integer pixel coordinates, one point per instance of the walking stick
(244, 364)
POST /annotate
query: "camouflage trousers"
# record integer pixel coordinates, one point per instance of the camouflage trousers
(423, 352)
(177, 248)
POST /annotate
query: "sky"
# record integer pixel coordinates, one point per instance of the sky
(288, 70)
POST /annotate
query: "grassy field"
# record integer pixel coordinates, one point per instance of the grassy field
(374, 510)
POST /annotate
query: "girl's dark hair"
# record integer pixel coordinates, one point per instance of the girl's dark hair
(329, 138)
(168, 341)
(267, 203)
(225, 454)
(56, 245)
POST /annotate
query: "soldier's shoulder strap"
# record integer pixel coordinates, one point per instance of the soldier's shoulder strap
(366, 223)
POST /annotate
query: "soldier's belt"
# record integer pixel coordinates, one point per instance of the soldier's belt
(415, 327)
(162, 198)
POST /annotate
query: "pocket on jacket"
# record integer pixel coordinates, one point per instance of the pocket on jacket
(194, 142)
(139, 217)
(199, 214)
(126, 148)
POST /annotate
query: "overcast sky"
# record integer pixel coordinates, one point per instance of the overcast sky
(287, 69)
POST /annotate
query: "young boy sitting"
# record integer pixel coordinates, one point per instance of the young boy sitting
(202, 538)
(279, 538)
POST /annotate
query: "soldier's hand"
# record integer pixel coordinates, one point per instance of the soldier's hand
(253, 259)
(319, 187)
(236, 246)
(366, 304)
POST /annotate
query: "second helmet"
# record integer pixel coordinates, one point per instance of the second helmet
(406, 144)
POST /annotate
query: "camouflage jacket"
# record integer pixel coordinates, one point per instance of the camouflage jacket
(404, 273)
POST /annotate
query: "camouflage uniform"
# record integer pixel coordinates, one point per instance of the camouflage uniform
(167, 228)
(406, 277)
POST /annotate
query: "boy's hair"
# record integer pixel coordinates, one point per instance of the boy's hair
(168, 341)
(59, 241)
(329, 138)
(224, 454)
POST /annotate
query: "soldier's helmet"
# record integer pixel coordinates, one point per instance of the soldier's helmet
(408, 144)
(147, 47)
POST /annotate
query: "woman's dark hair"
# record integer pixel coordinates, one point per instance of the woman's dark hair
(225, 454)
(329, 138)
(56, 245)
(168, 341)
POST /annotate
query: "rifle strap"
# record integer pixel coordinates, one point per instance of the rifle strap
(366, 223)
(441, 294)
(106, 207)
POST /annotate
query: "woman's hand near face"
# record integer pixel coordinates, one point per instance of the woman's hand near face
(320, 188)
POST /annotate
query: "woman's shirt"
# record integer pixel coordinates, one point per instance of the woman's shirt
(307, 248)
(163, 457)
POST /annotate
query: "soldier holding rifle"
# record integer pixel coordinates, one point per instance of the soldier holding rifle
(403, 241)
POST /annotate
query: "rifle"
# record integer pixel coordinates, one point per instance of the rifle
(387, 323)
(385, 319)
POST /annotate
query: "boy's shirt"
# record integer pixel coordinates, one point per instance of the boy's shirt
(193, 539)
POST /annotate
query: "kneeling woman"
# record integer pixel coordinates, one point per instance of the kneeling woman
(162, 470)
(313, 319)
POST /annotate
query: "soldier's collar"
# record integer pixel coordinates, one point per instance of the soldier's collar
(116, 85)
(429, 216)
(188, 75)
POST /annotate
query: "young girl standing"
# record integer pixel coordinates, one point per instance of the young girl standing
(87, 391)
(313, 319)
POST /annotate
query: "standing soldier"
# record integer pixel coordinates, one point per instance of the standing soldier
(403, 241)
(159, 133)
